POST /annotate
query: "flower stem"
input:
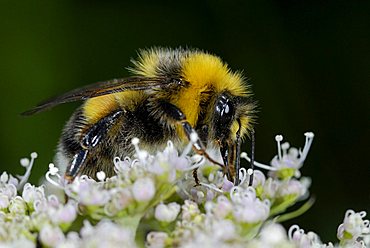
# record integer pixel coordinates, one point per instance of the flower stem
(297, 212)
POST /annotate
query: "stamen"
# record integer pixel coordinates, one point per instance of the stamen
(285, 146)
(134, 163)
(243, 175)
(366, 223)
(141, 154)
(307, 145)
(362, 214)
(170, 144)
(263, 166)
(24, 162)
(292, 230)
(23, 179)
(234, 193)
(116, 161)
(124, 164)
(197, 164)
(212, 187)
(348, 213)
(53, 171)
(278, 139)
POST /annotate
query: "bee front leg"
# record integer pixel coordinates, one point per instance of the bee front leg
(179, 117)
(75, 166)
(89, 141)
(197, 145)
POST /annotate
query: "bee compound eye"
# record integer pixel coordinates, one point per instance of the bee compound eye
(224, 110)
(223, 116)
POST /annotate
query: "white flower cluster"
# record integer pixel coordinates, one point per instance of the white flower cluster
(153, 201)
(140, 184)
(354, 232)
(225, 221)
(104, 234)
(32, 215)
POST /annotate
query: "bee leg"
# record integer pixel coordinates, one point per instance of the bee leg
(225, 150)
(89, 141)
(176, 114)
(99, 130)
(78, 160)
(237, 155)
(252, 158)
(195, 176)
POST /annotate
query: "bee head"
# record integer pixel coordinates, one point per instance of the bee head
(231, 115)
(232, 118)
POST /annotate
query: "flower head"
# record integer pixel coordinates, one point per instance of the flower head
(156, 194)
(289, 159)
(354, 227)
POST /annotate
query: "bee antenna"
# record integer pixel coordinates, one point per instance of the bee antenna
(251, 169)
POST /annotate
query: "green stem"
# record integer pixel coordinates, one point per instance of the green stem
(297, 212)
(130, 222)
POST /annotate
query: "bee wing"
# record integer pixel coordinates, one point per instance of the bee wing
(100, 89)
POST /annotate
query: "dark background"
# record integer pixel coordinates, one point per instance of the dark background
(308, 63)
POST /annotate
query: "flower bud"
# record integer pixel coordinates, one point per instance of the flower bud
(273, 234)
(51, 236)
(143, 189)
(167, 213)
(18, 206)
(4, 201)
(31, 193)
(66, 214)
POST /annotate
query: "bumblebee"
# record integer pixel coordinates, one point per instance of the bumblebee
(171, 94)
